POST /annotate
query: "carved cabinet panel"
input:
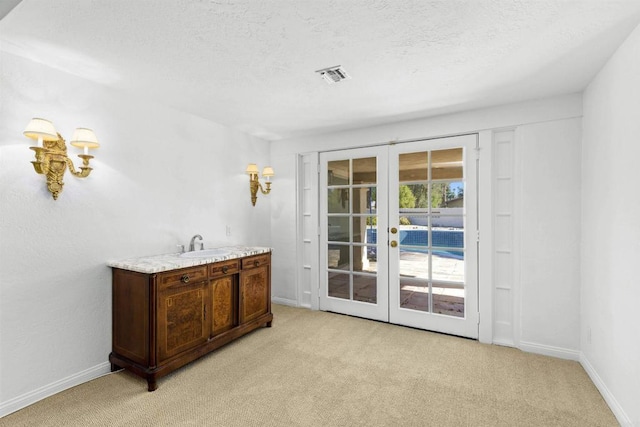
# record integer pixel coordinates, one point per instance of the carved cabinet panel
(224, 297)
(255, 298)
(182, 322)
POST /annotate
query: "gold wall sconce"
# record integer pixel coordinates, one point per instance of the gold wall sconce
(254, 183)
(51, 152)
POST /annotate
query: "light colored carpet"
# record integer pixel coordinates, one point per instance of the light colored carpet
(323, 369)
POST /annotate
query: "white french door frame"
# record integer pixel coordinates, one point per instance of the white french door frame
(467, 325)
(377, 310)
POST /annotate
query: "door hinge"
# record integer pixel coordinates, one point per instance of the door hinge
(478, 236)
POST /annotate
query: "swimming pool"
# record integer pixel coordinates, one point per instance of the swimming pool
(417, 240)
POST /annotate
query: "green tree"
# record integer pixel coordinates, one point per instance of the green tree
(407, 199)
(420, 192)
(441, 193)
(449, 192)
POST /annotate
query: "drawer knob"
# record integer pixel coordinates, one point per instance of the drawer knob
(256, 263)
(225, 268)
(185, 278)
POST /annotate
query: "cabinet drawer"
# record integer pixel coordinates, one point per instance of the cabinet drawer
(179, 277)
(255, 261)
(225, 267)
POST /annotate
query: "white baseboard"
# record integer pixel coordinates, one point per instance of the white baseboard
(548, 350)
(503, 342)
(34, 396)
(285, 301)
(608, 397)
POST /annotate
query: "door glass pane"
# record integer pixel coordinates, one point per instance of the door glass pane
(361, 200)
(373, 199)
(414, 196)
(368, 259)
(446, 164)
(448, 265)
(448, 299)
(447, 195)
(372, 230)
(364, 171)
(414, 294)
(415, 235)
(338, 229)
(450, 234)
(338, 257)
(360, 229)
(414, 263)
(364, 200)
(364, 288)
(413, 166)
(338, 200)
(338, 172)
(338, 285)
(448, 248)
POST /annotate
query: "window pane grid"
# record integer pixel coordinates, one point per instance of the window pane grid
(351, 193)
(431, 233)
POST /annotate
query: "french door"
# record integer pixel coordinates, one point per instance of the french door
(398, 234)
(354, 205)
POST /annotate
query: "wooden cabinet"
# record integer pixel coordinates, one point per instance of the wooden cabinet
(165, 320)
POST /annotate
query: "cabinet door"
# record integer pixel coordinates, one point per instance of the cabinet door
(254, 293)
(224, 301)
(182, 318)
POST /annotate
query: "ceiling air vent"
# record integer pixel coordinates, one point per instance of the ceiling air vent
(333, 74)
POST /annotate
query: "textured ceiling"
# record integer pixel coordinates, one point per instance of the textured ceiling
(250, 64)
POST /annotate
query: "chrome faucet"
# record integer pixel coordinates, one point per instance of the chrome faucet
(193, 240)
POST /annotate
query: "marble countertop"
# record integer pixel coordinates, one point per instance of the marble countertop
(167, 262)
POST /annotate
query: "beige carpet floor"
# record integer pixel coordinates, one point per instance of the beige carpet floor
(323, 369)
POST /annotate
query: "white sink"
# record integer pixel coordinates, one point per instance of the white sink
(206, 253)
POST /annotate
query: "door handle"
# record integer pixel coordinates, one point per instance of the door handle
(394, 230)
(393, 243)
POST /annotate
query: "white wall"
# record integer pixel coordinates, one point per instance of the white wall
(610, 330)
(160, 176)
(548, 222)
(549, 146)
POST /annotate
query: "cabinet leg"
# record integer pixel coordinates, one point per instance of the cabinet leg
(151, 384)
(114, 367)
(268, 325)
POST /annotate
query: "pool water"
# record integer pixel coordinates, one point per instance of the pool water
(417, 240)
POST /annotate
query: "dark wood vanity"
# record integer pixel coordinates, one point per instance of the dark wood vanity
(162, 321)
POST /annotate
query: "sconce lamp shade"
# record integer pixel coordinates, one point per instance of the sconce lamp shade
(267, 171)
(41, 128)
(84, 138)
(254, 182)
